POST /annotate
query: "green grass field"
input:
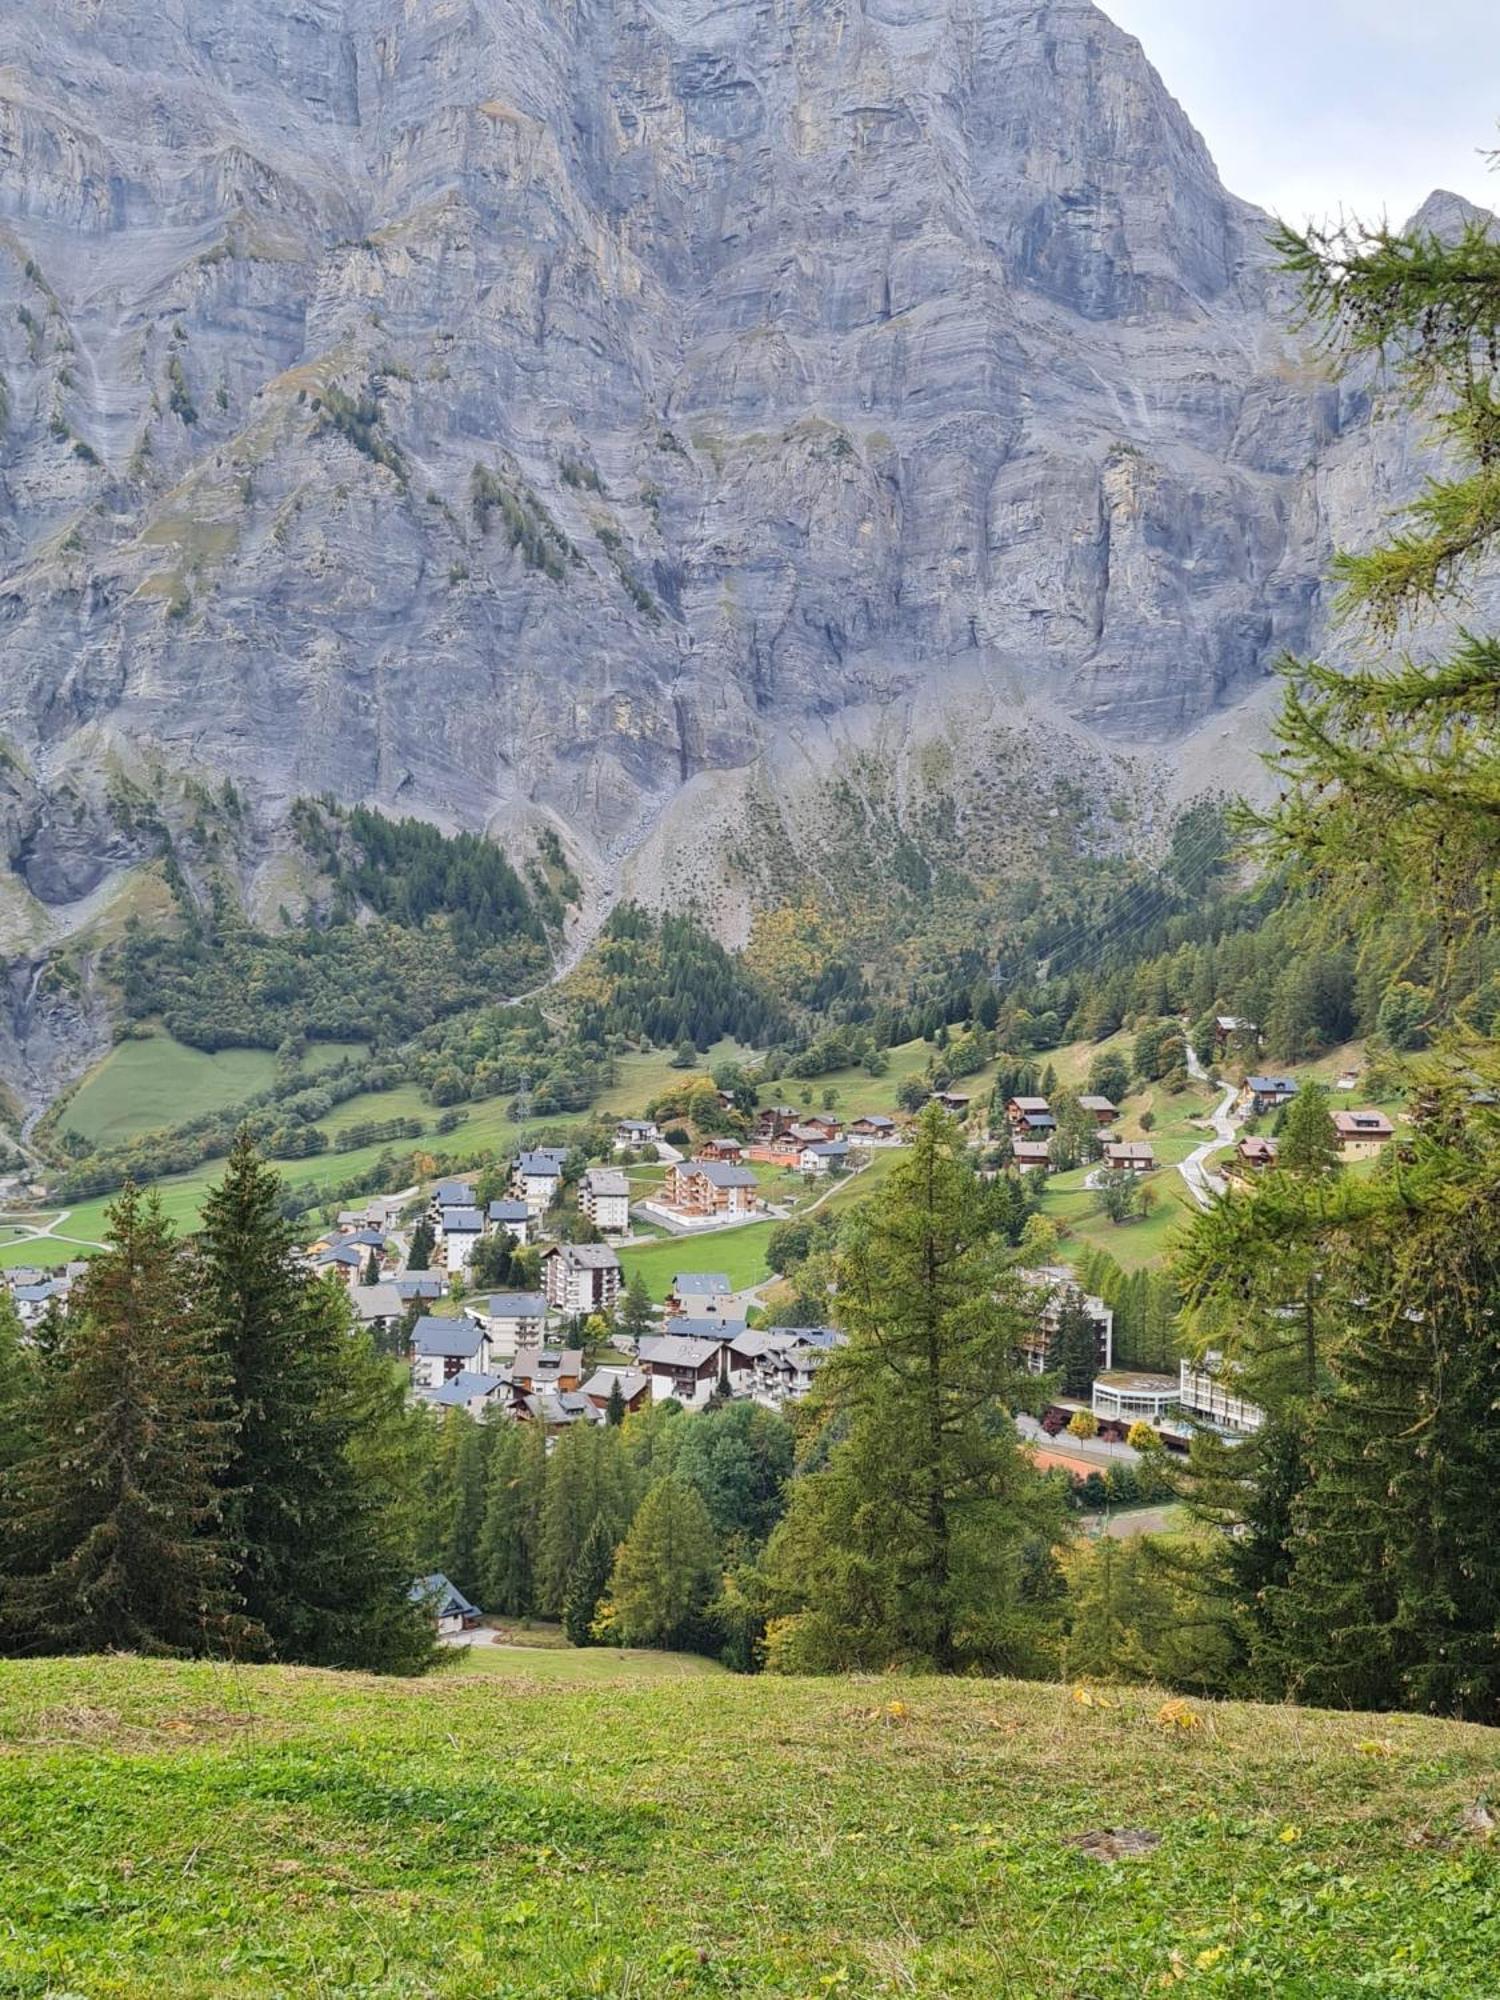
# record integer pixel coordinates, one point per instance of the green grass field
(142, 1086)
(568, 1665)
(210, 1833)
(739, 1253)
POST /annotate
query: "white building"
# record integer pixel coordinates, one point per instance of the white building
(511, 1321)
(537, 1179)
(604, 1197)
(1126, 1395)
(1207, 1392)
(581, 1277)
(443, 1348)
(683, 1366)
(510, 1218)
(459, 1229)
(1059, 1290)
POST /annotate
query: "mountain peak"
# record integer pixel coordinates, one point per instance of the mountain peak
(1446, 215)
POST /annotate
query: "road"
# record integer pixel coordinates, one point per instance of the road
(1202, 1184)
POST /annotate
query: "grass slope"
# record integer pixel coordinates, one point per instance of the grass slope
(142, 1086)
(201, 1831)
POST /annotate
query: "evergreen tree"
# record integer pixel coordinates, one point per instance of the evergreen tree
(514, 1488)
(1393, 1595)
(903, 1547)
(588, 1583)
(637, 1315)
(1307, 1141)
(423, 1243)
(372, 1267)
(456, 1502)
(587, 1475)
(1077, 1349)
(112, 1521)
(666, 1572)
(324, 1553)
(614, 1413)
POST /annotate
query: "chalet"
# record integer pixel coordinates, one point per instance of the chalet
(817, 1125)
(443, 1348)
(1031, 1115)
(459, 1229)
(537, 1178)
(828, 1156)
(1129, 1156)
(953, 1101)
(1347, 1079)
(1057, 1291)
(1269, 1093)
(1100, 1109)
(684, 1366)
(1032, 1155)
(635, 1387)
(721, 1148)
(366, 1239)
(774, 1119)
(511, 1321)
(710, 1187)
(556, 1410)
(31, 1301)
(379, 1212)
(701, 1295)
(446, 1605)
(1129, 1395)
(344, 1261)
(510, 1218)
(536, 1368)
(1362, 1134)
(376, 1305)
(1207, 1393)
(633, 1133)
(777, 1365)
(448, 1194)
(473, 1390)
(874, 1129)
(604, 1197)
(1228, 1026)
(581, 1277)
(424, 1285)
(1252, 1156)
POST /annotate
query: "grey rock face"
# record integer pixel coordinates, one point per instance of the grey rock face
(499, 409)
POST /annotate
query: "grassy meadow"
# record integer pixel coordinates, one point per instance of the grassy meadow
(145, 1085)
(217, 1833)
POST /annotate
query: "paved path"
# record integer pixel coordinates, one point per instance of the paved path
(1203, 1184)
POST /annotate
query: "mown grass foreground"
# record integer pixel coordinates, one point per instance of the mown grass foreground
(192, 1830)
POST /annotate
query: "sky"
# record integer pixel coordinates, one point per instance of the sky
(1310, 106)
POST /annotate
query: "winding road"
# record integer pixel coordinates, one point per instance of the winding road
(1202, 1183)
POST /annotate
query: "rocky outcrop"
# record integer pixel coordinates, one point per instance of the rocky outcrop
(509, 410)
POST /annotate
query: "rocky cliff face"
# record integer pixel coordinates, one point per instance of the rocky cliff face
(517, 409)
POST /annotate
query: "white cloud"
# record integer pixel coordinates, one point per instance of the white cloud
(1364, 105)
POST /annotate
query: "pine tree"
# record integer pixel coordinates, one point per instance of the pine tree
(456, 1503)
(666, 1572)
(614, 1413)
(423, 1242)
(112, 1521)
(514, 1487)
(638, 1315)
(324, 1551)
(1307, 1142)
(587, 1474)
(903, 1546)
(1393, 1596)
(588, 1583)
(1077, 1348)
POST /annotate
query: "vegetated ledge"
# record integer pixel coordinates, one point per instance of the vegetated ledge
(211, 1830)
